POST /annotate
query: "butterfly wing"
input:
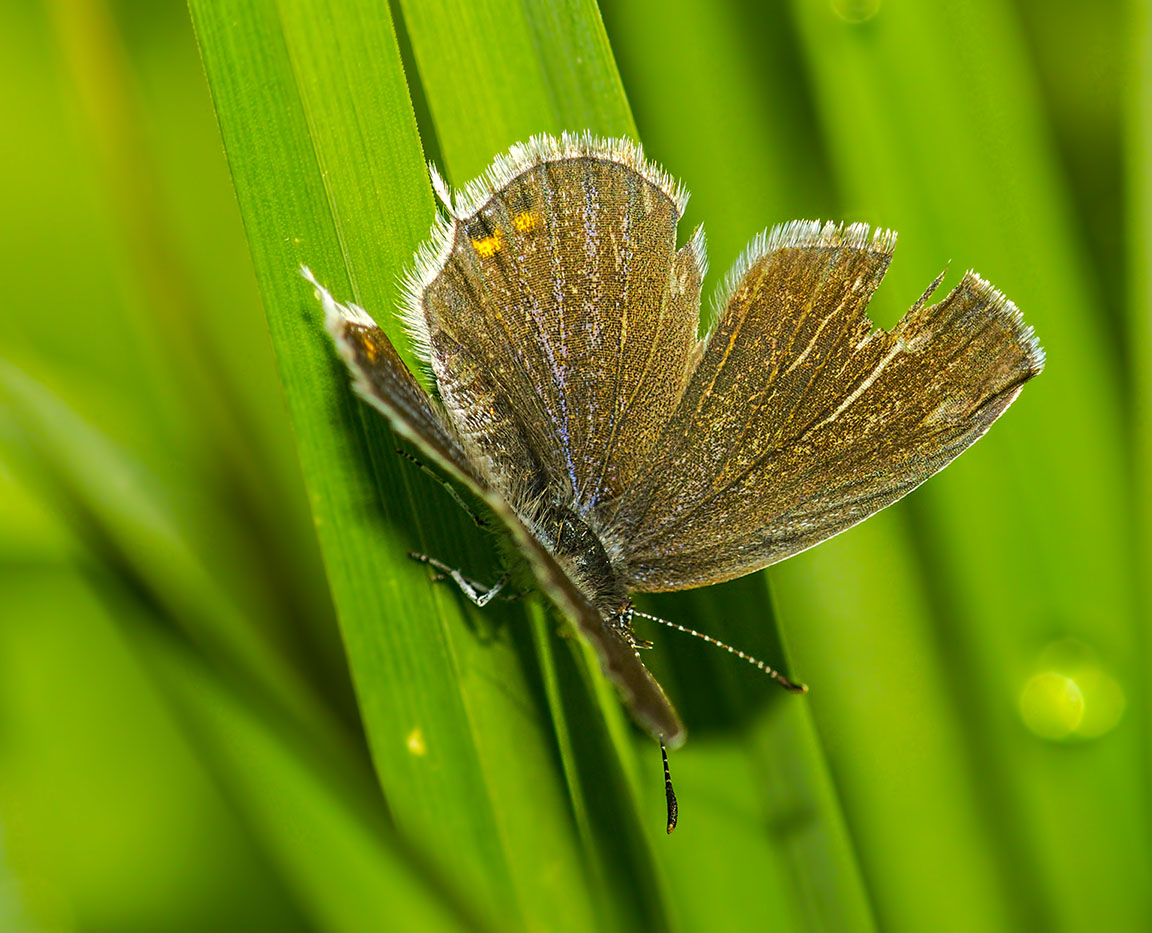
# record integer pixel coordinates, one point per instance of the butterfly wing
(380, 377)
(802, 419)
(559, 279)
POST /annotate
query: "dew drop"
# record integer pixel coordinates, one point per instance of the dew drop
(1051, 705)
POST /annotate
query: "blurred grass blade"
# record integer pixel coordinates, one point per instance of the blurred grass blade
(334, 848)
(1138, 110)
(743, 140)
(318, 130)
(99, 782)
(113, 507)
(935, 129)
(321, 826)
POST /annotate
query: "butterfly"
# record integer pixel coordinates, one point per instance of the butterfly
(623, 452)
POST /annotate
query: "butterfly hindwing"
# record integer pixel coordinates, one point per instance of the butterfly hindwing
(802, 419)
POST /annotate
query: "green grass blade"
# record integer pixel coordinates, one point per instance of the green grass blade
(116, 505)
(554, 71)
(1138, 113)
(336, 849)
(204, 426)
(98, 782)
(322, 826)
(747, 148)
(934, 127)
(495, 73)
(328, 168)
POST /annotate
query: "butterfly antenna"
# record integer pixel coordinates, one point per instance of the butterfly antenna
(669, 793)
(783, 681)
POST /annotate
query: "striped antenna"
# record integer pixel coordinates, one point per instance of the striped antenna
(783, 681)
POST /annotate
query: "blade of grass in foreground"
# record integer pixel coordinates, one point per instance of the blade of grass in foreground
(114, 503)
(547, 68)
(98, 783)
(328, 169)
(335, 847)
(322, 827)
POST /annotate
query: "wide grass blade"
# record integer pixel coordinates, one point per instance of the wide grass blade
(328, 168)
(547, 68)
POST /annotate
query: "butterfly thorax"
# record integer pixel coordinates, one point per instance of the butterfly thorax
(578, 548)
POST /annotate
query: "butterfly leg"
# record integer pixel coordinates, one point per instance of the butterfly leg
(456, 497)
(477, 592)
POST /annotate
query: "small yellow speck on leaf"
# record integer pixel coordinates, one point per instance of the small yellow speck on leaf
(416, 744)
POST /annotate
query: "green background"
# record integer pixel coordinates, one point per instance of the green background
(227, 699)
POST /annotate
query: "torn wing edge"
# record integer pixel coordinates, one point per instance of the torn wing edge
(801, 234)
(995, 304)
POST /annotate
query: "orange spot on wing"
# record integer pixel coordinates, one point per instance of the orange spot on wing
(489, 246)
(524, 222)
(369, 346)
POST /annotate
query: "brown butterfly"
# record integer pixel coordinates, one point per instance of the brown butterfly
(622, 452)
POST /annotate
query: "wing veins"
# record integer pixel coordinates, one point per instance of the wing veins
(755, 465)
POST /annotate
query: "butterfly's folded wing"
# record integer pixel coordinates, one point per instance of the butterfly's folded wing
(559, 279)
(802, 419)
(381, 378)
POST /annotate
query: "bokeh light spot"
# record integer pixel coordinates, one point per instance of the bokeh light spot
(1071, 696)
(1051, 705)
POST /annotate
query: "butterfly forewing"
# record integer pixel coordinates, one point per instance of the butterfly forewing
(801, 419)
(380, 377)
(566, 290)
